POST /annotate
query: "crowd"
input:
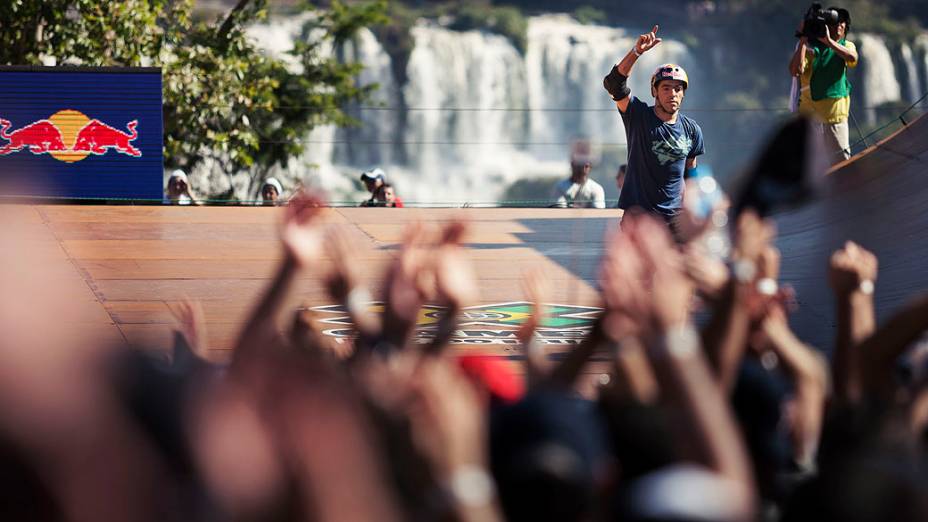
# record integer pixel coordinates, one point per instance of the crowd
(734, 420)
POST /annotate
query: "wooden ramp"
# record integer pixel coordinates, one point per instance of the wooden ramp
(125, 264)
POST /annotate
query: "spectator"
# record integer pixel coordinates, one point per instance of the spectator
(373, 180)
(579, 191)
(178, 191)
(390, 199)
(271, 191)
(620, 178)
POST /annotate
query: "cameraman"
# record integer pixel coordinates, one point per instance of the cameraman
(821, 66)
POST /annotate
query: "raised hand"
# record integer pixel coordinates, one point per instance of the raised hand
(454, 276)
(190, 322)
(708, 274)
(670, 289)
(852, 269)
(647, 41)
(300, 231)
(827, 38)
(752, 235)
(344, 276)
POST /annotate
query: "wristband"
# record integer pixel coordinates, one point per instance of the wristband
(767, 286)
(681, 341)
(866, 287)
(744, 271)
(635, 50)
(472, 486)
(357, 299)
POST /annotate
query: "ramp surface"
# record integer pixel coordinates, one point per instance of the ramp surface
(878, 199)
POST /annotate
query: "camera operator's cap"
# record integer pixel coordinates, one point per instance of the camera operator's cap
(670, 71)
(373, 174)
(843, 15)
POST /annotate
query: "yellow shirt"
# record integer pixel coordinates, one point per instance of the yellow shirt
(829, 110)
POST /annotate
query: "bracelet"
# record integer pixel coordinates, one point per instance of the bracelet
(472, 486)
(635, 50)
(744, 270)
(767, 286)
(866, 287)
(357, 299)
(682, 341)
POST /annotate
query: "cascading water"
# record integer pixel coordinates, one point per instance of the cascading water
(475, 114)
(877, 75)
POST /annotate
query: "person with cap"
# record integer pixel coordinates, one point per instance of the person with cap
(579, 191)
(662, 143)
(270, 192)
(178, 191)
(374, 180)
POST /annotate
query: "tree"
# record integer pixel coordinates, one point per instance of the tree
(224, 100)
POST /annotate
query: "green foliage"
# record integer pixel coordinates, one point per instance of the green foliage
(224, 100)
(589, 15)
(506, 21)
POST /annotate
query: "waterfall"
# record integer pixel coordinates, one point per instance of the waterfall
(921, 61)
(909, 69)
(566, 62)
(877, 75)
(474, 114)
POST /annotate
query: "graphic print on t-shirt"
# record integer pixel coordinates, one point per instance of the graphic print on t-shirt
(671, 149)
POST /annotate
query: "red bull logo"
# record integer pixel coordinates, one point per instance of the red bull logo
(69, 136)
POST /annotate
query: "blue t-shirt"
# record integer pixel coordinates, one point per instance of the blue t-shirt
(657, 153)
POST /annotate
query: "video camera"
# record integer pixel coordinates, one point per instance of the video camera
(815, 21)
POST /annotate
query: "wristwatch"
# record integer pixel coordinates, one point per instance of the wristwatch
(744, 271)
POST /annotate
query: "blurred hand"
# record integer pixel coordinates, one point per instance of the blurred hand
(849, 267)
(647, 41)
(447, 417)
(454, 277)
(408, 283)
(670, 290)
(191, 323)
(708, 274)
(301, 231)
(344, 276)
(642, 279)
(752, 236)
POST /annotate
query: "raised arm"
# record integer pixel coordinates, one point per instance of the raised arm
(616, 82)
(301, 237)
(852, 272)
(686, 381)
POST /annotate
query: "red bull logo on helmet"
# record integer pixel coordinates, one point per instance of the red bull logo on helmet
(69, 136)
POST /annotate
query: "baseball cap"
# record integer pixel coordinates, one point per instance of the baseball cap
(373, 174)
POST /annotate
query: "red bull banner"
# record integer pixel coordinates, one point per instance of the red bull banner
(81, 133)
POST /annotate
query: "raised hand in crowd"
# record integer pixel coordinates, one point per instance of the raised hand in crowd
(536, 290)
(852, 274)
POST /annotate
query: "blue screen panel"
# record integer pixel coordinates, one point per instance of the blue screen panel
(75, 132)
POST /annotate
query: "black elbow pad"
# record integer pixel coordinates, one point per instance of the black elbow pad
(616, 84)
